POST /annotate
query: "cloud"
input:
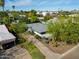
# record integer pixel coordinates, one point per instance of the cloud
(42, 3)
(23, 2)
(19, 2)
(54, 2)
(58, 2)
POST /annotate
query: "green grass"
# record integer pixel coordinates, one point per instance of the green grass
(35, 53)
(20, 41)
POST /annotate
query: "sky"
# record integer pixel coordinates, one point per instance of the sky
(43, 5)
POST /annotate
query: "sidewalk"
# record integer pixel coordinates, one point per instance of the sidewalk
(45, 50)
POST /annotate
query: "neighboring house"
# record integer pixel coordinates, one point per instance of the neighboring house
(39, 13)
(10, 15)
(73, 15)
(41, 19)
(12, 19)
(54, 20)
(39, 29)
(22, 15)
(44, 13)
(6, 38)
(15, 19)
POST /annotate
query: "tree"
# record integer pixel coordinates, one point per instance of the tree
(17, 28)
(54, 29)
(67, 32)
(47, 17)
(33, 12)
(2, 3)
(6, 20)
(13, 7)
(20, 27)
(33, 19)
(32, 16)
(3, 14)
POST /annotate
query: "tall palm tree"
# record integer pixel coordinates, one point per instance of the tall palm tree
(2, 3)
(13, 7)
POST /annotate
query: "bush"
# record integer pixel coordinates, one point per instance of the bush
(20, 41)
(67, 32)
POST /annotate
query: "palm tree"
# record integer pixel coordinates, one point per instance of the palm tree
(13, 7)
(2, 3)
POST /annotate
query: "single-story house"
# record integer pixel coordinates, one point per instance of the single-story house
(73, 15)
(22, 15)
(54, 20)
(39, 29)
(42, 13)
(6, 38)
(41, 18)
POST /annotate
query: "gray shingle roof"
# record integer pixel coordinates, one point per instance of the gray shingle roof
(38, 27)
(5, 35)
(6, 38)
(3, 29)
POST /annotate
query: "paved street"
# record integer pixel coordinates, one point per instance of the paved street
(72, 53)
(45, 50)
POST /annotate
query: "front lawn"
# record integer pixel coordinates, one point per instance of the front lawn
(35, 53)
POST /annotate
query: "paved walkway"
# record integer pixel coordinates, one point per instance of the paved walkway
(24, 55)
(45, 50)
(16, 53)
